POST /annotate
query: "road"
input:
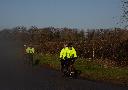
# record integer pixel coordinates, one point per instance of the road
(15, 75)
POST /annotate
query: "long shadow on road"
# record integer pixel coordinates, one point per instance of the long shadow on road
(15, 75)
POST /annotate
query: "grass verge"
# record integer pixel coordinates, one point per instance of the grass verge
(90, 69)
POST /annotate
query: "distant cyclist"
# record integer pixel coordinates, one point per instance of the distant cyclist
(68, 56)
(30, 52)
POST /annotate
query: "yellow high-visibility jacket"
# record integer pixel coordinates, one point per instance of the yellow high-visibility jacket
(67, 53)
(30, 50)
(73, 53)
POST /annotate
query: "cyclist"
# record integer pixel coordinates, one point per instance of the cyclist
(63, 56)
(30, 51)
(68, 56)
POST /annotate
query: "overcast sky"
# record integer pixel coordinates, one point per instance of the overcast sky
(60, 13)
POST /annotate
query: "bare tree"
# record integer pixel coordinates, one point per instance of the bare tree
(124, 11)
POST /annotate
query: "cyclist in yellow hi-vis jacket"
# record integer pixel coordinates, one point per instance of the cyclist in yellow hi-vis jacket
(30, 51)
(67, 55)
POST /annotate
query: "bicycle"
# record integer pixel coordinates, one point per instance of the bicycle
(69, 70)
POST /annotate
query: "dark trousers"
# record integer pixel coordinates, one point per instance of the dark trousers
(66, 63)
(63, 64)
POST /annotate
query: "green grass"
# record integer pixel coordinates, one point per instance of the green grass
(90, 69)
(52, 60)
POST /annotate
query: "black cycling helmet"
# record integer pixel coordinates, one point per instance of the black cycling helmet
(69, 44)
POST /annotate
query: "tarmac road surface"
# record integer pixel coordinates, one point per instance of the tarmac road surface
(15, 75)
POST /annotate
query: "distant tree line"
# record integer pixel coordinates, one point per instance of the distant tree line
(102, 44)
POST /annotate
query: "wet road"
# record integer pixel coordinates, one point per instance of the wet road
(15, 75)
